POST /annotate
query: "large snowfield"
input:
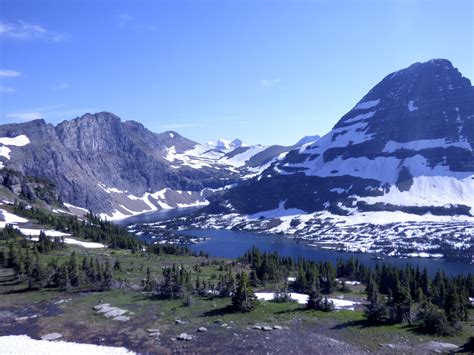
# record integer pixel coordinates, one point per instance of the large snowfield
(23, 344)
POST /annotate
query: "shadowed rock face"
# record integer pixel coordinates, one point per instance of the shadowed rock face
(94, 149)
(412, 133)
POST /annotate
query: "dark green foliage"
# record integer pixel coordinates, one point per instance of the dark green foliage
(244, 299)
(376, 311)
(437, 306)
(319, 303)
(226, 284)
(432, 320)
(176, 282)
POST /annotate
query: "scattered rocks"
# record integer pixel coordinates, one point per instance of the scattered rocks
(51, 336)
(112, 312)
(202, 329)
(185, 336)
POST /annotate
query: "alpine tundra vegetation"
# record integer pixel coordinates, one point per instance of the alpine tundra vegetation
(209, 177)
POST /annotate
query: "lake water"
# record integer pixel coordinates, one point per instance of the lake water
(231, 244)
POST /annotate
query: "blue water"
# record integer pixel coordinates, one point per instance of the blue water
(232, 244)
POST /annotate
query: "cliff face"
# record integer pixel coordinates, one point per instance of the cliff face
(407, 145)
(97, 157)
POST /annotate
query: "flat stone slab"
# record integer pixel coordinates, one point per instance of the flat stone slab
(112, 312)
(152, 330)
(115, 313)
(51, 336)
(202, 329)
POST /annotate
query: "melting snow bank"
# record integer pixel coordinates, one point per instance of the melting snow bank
(71, 241)
(10, 218)
(302, 298)
(23, 344)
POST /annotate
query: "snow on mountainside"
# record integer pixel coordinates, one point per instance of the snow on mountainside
(18, 141)
(404, 151)
(385, 152)
(118, 169)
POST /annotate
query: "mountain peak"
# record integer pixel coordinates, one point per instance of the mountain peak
(226, 144)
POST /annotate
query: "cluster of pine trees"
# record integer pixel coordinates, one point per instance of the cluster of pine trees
(24, 258)
(409, 295)
(270, 267)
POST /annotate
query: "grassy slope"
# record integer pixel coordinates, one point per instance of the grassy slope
(76, 320)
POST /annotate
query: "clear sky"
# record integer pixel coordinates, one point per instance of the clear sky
(264, 71)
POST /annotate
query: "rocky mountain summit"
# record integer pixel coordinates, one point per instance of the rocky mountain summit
(405, 146)
(100, 163)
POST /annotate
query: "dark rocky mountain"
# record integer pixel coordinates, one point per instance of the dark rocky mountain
(100, 163)
(406, 146)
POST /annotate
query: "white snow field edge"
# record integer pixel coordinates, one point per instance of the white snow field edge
(23, 344)
(10, 218)
(302, 298)
(18, 141)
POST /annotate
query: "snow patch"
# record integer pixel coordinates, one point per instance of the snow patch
(23, 344)
(280, 211)
(367, 104)
(302, 298)
(392, 146)
(10, 218)
(71, 241)
(411, 106)
(430, 191)
(18, 141)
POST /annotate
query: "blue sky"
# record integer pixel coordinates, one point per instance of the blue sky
(264, 71)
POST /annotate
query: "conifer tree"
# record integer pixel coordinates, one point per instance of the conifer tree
(244, 299)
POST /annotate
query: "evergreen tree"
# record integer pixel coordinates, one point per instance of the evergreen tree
(73, 270)
(376, 311)
(244, 299)
(63, 278)
(107, 276)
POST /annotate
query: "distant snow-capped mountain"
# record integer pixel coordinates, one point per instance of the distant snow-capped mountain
(225, 144)
(406, 146)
